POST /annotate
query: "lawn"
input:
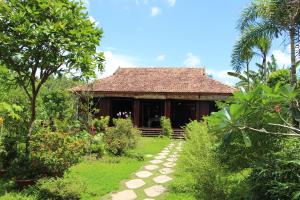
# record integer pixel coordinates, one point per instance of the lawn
(103, 176)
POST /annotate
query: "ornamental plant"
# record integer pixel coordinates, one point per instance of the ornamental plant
(54, 152)
(121, 137)
(166, 127)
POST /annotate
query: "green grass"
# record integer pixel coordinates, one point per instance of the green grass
(104, 176)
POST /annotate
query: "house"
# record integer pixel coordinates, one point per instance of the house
(181, 94)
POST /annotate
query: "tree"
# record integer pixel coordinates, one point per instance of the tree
(273, 18)
(244, 50)
(240, 58)
(40, 38)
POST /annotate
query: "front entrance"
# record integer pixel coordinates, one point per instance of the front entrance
(182, 112)
(151, 112)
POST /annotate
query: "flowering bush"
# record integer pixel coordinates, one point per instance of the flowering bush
(55, 152)
(121, 137)
(123, 114)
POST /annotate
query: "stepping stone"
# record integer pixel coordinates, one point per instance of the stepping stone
(155, 190)
(149, 155)
(143, 174)
(156, 161)
(162, 179)
(169, 164)
(166, 151)
(166, 170)
(124, 195)
(151, 167)
(135, 183)
(163, 154)
(172, 159)
(160, 157)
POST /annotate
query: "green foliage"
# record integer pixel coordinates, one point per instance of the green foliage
(201, 162)
(97, 146)
(122, 137)
(200, 170)
(278, 176)
(280, 77)
(166, 127)
(16, 196)
(101, 124)
(60, 189)
(55, 152)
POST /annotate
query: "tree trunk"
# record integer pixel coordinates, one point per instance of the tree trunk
(248, 78)
(31, 123)
(293, 75)
(293, 58)
(264, 63)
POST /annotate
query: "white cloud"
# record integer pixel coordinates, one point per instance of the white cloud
(192, 60)
(283, 59)
(221, 75)
(155, 11)
(171, 2)
(161, 57)
(113, 61)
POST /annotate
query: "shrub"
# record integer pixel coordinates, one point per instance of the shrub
(279, 77)
(201, 172)
(101, 124)
(55, 152)
(97, 146)
(121, 137)
(278, 176)
(166, 126)
(59, 189)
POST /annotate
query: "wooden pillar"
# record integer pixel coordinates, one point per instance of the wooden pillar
(204, 108)
(167, 108)
(198, 112)
(136, 112)
(104, 106)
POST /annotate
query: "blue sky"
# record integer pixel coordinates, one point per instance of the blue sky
(169, 33)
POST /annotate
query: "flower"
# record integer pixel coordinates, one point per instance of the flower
(1, 121)
(277, 108)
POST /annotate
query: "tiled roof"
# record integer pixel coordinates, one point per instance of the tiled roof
(159, 80)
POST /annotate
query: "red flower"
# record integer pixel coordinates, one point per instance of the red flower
(277, 108)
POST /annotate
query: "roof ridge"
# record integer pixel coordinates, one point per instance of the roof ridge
(162, 67)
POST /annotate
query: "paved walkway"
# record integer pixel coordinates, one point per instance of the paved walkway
(150, 182)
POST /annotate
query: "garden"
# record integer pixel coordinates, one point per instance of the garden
(52, 146)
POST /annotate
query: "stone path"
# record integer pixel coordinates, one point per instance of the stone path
(150, 181)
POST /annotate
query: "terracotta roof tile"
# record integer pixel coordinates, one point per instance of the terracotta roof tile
(160, 80)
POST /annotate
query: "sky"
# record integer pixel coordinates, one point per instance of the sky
(171, 33)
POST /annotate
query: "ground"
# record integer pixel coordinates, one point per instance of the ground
(151, 180)
(105, 175)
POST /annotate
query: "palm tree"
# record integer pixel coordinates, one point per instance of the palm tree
(273, 18)
(241, 58)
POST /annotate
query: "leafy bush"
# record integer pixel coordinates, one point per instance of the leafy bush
(279, 77)
(166, 126)
(278, 176)
(202, 163)
(97, 146)
(201, 172)
(101, 124)
(59, 189)
(122, 137)
(55, 152)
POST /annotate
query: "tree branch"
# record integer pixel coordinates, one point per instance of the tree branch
(271, 133)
